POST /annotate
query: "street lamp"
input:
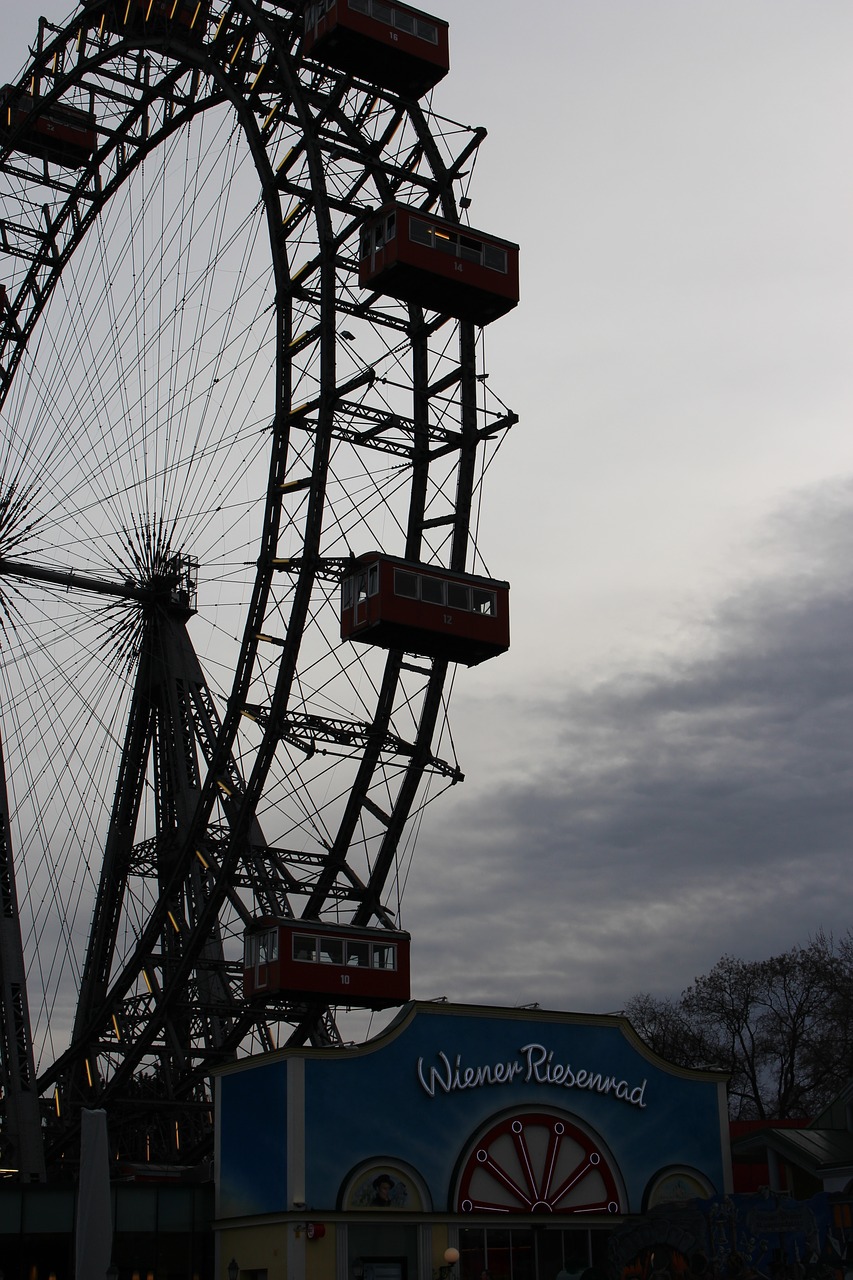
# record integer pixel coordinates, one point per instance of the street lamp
(233, 1269)
(451, 1257)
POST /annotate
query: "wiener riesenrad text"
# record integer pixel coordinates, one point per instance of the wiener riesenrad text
(534, 1064)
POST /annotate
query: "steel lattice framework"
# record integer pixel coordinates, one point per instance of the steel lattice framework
(202, 419)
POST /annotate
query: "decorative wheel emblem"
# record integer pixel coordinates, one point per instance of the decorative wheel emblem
(536, 1163)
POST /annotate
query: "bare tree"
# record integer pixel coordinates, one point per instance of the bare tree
(782, 1027)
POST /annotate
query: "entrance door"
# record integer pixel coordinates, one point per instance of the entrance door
(359, 609)
(266, 954)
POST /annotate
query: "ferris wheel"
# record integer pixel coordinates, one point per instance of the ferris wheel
(243, 414)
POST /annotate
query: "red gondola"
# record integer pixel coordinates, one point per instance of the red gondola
(446, 267)
(65, 135)
(399, 604)
(136, 16)
(389, 43)
(303, 959)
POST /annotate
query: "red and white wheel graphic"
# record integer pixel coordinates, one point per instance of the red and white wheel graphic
(537, 1163)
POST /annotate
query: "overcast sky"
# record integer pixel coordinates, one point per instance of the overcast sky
(660, 769)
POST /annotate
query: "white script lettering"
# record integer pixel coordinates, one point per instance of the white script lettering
(452, 1076)
(534, 1064)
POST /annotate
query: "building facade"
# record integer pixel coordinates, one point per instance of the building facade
(517, 1138)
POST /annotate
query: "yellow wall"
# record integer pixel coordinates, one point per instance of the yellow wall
(285, 1253)
(255, 1248)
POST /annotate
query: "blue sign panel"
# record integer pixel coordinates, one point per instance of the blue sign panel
(455, 1109)
(251, 1136)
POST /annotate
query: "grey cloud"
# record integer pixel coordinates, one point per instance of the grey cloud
(670, 814)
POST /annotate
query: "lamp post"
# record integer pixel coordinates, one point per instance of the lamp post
(451, 1257)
